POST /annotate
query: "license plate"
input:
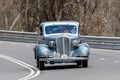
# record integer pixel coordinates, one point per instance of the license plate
(55, 55)
(64, 56)
(51, 54)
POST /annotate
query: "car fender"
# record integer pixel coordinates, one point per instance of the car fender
(85, 49)
(82, 49)
(42, 50)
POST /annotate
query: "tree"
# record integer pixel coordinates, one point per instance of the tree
(97, 17)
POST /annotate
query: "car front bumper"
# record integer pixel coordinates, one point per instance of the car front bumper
(64, 60)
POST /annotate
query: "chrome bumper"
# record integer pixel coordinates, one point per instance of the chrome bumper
(64, 60)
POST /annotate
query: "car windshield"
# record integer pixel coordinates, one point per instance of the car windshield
(60, 29)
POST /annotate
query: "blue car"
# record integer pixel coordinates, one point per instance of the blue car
(60, 42)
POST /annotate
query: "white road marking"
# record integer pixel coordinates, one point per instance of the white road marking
(102, 59)
(33, 70)
(117, 61)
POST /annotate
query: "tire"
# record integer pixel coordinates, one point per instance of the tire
(37, 61)
(85, 63)
(34, 53)
(41, 65)
(78, 63)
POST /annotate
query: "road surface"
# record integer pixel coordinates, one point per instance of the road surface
(17, 63)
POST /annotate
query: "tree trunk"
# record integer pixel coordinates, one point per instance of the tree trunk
(26, 15)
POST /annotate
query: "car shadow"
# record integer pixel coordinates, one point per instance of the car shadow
(59, 67)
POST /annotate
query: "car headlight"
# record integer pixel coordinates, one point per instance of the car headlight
(51, 44)
(75, 43)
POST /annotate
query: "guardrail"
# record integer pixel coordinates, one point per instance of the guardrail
(103, 42)
(32, 37)
(27, 37)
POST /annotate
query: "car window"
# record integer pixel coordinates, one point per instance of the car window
(60, 29)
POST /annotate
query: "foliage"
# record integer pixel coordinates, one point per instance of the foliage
(97, 17)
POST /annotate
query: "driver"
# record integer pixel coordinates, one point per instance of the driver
(66, 31)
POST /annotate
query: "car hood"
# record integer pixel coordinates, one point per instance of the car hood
(61, 35)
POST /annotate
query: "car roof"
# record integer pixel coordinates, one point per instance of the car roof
(60, 23)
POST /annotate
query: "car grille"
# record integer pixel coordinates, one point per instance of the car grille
(63, 46)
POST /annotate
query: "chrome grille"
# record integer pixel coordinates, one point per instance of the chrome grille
(60, 45)
(63, 45)
(66, 46)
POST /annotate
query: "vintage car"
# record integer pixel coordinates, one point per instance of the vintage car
(60, 42)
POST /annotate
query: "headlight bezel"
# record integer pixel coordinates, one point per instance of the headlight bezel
(51, 44)
(75, 43)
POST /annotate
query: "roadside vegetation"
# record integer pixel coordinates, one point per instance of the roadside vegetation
(97, 17)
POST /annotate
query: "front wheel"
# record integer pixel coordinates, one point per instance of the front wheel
(37, 61)
(34, 53)
(78, 63)
(41, 65)
(85, 63)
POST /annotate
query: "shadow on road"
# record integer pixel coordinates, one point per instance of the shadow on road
(59, 67)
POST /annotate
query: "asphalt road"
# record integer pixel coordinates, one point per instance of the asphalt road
(103, 65)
